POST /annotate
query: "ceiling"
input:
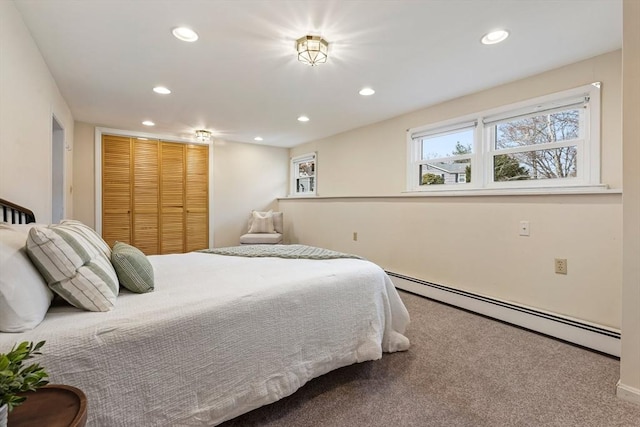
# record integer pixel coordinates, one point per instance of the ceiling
(241, 79)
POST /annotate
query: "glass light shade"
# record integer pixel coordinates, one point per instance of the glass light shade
(203, 135)
(312, 50)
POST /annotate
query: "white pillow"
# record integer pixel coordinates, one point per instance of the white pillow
(71, 258)
(24, 295)
(262, 222)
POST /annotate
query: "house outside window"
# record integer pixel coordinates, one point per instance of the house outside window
(547, 142)
(303, 175)
(445, 154)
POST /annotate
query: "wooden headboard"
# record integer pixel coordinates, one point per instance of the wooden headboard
(15, 214)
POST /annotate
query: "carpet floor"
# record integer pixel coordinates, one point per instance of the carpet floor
(462, 370)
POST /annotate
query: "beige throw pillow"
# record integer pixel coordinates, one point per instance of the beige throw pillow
(262, 222)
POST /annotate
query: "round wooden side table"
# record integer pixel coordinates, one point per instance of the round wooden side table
(53, 405)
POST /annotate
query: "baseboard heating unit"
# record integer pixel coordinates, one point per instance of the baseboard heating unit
(596, 337)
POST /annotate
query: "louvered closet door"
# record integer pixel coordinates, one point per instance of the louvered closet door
(116, 189)
(197, 197)
(146, 195)
(172, 198)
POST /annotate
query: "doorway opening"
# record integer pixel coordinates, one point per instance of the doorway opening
(57, 171)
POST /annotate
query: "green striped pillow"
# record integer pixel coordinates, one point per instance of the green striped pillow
(90, 235)
(73, 263)
(133, 268)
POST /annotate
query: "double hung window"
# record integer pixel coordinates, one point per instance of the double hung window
(303, 175)
(551, 141)
(446, 154)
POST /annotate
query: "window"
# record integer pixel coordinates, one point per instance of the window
(551, 141)
(445, 154)
(303, 175)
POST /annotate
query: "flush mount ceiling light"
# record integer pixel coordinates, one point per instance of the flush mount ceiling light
(185, 34)
(312, 50)
(161, 90)
(257, 138)
(148, 123)
(203, 135)
(367, 91)
(495, 37)
(303, 119)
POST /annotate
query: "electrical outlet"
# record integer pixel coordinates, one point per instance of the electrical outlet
(355, 236)
(561, 265)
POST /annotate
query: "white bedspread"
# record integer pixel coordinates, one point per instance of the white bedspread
(219, 336)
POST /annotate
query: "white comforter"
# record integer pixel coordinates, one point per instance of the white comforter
(219, 336)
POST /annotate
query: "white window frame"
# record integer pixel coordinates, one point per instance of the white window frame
(294, 169)
(482, 157)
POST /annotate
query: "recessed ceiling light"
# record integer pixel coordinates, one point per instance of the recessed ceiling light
(495, 37)
(161, 90)
(148, 123)
(367, 91)
(185, 34)
(303, 119)
(257, 138)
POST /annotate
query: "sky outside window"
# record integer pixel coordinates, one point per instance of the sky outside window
(444, 145)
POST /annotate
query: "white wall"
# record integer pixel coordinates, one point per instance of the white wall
(472, 243)
(629, 387)
(28, 99)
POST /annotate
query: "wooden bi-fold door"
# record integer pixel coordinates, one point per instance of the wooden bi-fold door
(172, 198)
(197, 197)
(155, 194)
(116, 189)
(145, 200)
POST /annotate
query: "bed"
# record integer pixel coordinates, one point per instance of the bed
(219, 336)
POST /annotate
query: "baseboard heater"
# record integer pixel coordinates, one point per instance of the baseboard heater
(599, 338)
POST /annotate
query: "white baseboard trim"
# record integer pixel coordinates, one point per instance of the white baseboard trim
(628, 393)
(596, 337)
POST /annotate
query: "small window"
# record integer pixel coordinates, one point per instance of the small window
(303, 175)
(551, 141)
(540, 146)
(445, 155)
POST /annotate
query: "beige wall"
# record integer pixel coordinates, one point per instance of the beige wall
(371, 161)
(29, 98)
(629, 387)
(245, 177)
(83, 167)
(472, 243)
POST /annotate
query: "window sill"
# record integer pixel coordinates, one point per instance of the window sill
(537, 191)
(300, 196)
(494, 192)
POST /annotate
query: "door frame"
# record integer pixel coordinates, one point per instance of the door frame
(99, 131)
(58, 170)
